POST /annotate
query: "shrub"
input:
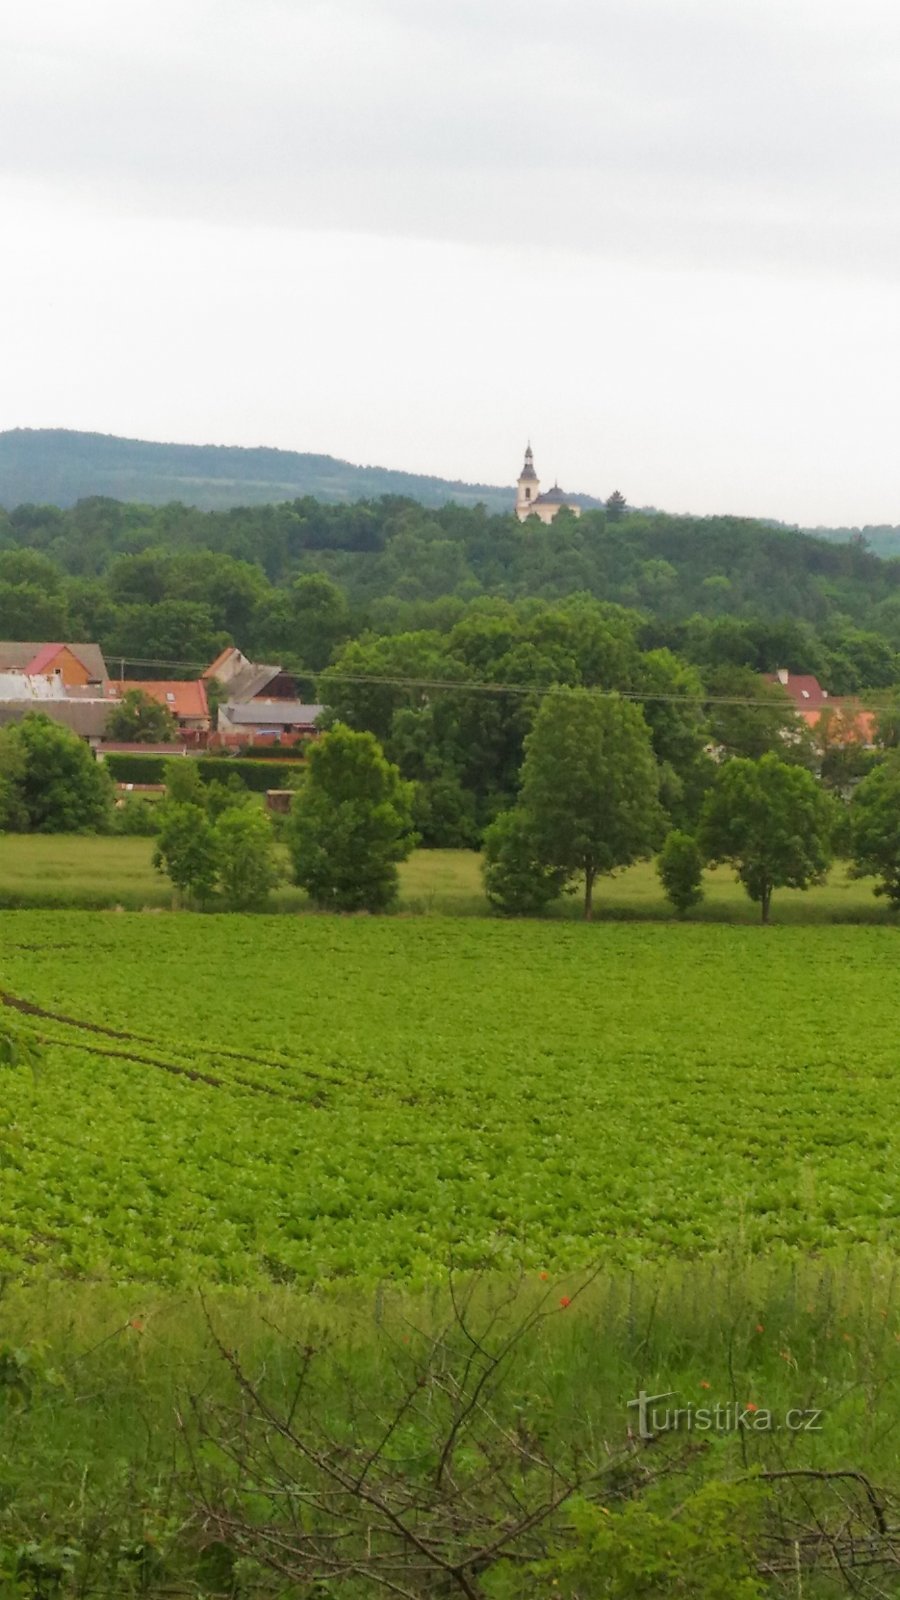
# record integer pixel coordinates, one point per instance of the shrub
(516, 880)
(137, 815)
(680, 867)
(245, 857)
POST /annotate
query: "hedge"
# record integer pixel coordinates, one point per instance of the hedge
(256, 775)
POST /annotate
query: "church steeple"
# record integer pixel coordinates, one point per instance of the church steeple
(528, 487)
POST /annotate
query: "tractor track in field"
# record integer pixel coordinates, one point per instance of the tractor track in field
(29, 1008)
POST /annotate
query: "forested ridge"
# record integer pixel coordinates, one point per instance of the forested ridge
(173, 583)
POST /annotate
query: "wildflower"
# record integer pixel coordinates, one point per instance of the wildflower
(136, 1324)
(750, 1406)
(544, 1277)
(760, 1328)
(565, 1301)
(703, 1383)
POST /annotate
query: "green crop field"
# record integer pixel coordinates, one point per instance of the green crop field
(302, 1100)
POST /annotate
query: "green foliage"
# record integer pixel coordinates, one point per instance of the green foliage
(245, 857)
(136, 815)
(18, 1047)
(590, 786)
(51, 782)
(184, 785)
(444, 814)
(220, 796)
(351, 822)
(748, 717)
(875, 829)
(126, 768)
(702, 1549)
(772, 822)
(186, 850)
(680, 868)
(138, 718)
(517, 880)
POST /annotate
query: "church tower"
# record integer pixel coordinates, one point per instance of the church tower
(528, 487)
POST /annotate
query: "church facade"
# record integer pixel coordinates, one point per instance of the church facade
(529, 500)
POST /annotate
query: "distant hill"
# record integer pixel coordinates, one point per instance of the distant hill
(56, 466)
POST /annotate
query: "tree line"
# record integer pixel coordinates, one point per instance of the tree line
(589, 801)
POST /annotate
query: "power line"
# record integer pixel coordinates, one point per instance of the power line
(488, 686)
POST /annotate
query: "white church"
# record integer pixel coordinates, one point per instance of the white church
(529, 500)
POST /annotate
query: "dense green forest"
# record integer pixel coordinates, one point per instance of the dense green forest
(172, 583)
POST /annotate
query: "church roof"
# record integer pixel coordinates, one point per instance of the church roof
(553, 497)
(528, 473)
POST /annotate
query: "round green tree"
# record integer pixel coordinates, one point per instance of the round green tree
(139, 719)
(772, 822)
(351, 822)
(55, 783)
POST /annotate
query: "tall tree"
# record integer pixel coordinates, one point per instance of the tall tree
(590, 785)
(772, 822)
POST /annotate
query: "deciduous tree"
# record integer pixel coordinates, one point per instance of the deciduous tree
(140, 719)
(875, 829)
(772, 822)
(54, 782)
(350, 824)
(590, 785)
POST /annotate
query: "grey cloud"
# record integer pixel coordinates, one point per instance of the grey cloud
(687, 132)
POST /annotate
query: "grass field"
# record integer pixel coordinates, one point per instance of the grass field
(105, 873)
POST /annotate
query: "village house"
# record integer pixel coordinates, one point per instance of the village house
(261, 704)
(76, 665)
(838, 718)
(185, 700)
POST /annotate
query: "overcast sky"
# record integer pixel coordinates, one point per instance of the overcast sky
(659, 237)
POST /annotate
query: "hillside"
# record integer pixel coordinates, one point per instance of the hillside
(55, 466)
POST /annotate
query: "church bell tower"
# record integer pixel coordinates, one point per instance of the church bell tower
(528, 487)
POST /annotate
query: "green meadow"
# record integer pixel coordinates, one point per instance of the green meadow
(108, 873)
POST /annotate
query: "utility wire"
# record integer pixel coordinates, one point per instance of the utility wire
(486, 686)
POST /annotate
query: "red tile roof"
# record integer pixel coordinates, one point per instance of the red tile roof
(184, 700)
(805, 690)
(46, 654)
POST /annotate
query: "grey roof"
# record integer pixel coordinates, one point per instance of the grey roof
(266, 713)
(16, 654)
(553, 497)
(249, 681)
(84, 717)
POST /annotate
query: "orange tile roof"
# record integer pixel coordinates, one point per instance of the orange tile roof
(183, 699)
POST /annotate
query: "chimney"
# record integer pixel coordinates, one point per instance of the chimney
(782, 675)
